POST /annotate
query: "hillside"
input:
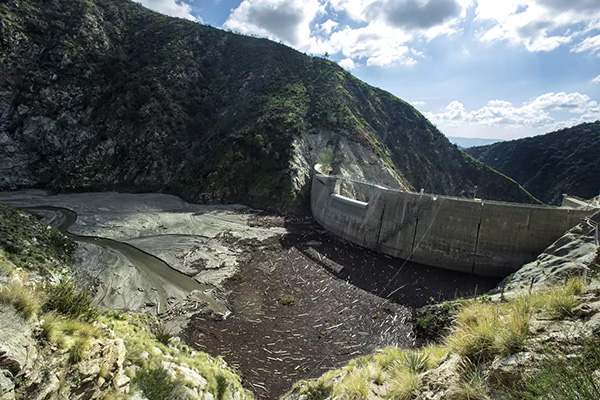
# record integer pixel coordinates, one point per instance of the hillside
(55, 344)
(465, 142)
(108, 95)
(549, 165)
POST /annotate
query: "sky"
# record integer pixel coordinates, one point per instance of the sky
(500, 69)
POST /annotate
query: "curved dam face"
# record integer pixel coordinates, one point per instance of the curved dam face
(480, 237)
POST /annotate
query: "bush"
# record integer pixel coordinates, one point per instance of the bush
(156, 384)
(484, 330)
(162, 334)
(559, 377)
(472, 383)
(25, 299)
(66, 300)
(287, 300)
(355, 386)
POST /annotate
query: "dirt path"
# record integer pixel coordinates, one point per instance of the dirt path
(334, 316)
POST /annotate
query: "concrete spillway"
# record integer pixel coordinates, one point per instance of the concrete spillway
(481, 237)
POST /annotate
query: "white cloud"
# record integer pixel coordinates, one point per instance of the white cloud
(596, 79)
(328, 26)
(590, 44)
(535, 113)
(377, 43)
(347, 63)
(539, 25)
(418, 103)
(174, 8)
(285, 20)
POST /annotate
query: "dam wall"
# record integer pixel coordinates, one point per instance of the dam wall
(480, 237)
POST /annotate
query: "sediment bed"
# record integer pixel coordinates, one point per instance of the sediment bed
(302, 300)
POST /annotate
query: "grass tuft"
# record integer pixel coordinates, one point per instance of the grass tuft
(65, 299)
(24, 298)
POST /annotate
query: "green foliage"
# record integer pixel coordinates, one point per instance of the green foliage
(65, 299)
(549, 165)
(287, 300)
(156, 384)
(139, 334)
(562, 378)
(472, 383)
(162, 334)
(31, 244)
(69, 333)
(77, 351)
(414, 361)
(6, 267)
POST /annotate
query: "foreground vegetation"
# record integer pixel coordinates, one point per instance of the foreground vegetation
(121, 353)
(483, 331)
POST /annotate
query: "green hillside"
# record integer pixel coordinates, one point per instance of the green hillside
(107, 95)
(565, 161)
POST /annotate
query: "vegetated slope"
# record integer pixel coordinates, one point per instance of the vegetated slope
(109, 95)
(55, 344)
(565, 161)
(531, 339)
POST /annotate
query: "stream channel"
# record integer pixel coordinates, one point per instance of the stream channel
(155, 270)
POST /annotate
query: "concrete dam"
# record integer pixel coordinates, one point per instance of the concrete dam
(470, 235)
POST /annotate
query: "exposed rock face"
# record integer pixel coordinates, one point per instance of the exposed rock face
(569, 256)
(17, 346)
(109, 95)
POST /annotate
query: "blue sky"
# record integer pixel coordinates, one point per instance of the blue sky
(476, 68)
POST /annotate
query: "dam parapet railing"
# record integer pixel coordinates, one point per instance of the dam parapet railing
(483, 237)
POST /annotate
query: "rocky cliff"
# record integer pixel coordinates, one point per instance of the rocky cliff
(107, 94)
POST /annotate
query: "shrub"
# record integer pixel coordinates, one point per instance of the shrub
(77, 351)
(287, 300)
(162, 334)
(403, 385)
(25, 299)
(483, 330)
(575, 286)
(156, 384)
(472, 383)
(558, 303)
(559, 377)
(414, 361)
(66, 300)
(355, 386)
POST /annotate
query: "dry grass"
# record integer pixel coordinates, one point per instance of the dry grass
(69, 333)
(24, 298)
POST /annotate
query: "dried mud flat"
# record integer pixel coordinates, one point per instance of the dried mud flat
(308, 302)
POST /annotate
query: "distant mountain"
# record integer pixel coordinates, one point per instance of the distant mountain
(108, 95)
(565, 161)
(465, 143)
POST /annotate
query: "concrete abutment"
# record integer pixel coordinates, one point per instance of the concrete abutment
(481, 237)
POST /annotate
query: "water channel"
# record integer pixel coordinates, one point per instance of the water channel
(157, 272)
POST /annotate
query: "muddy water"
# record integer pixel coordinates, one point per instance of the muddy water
(157, 272)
